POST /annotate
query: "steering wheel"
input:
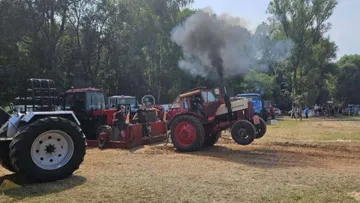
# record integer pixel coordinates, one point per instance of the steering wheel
(145, 100)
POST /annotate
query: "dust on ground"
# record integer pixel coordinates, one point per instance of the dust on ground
(280, 167)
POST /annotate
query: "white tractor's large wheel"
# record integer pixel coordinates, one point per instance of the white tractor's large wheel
(4, 156)
(4, 145)
(47, 150)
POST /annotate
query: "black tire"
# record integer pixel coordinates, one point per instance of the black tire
(260, 129)
(103, 129)
(199, 130)
(249, 132)
(102, 143)
(211, 139)
(20, 149)
(6, 163)
(4, 116)
(4, 156)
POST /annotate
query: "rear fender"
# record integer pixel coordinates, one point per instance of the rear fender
(187, 113)
(33, 116)
(13, 125)
(20, 120)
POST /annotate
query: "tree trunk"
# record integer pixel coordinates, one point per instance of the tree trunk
(294, 85)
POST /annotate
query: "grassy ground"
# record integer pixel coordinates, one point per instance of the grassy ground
(309, 161)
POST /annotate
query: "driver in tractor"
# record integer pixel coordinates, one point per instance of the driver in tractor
(197, 105)
(140, 115)
(120, 120)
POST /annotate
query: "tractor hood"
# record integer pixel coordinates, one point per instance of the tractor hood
(236, 105)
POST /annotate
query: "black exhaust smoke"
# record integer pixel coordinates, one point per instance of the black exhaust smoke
(219, 47)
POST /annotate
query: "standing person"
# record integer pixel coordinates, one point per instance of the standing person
(320, 110)
(120, 120)
(306, 112)
(316, 110)
(141, 116)
(272, 112)
(293, 111)
(299, 112)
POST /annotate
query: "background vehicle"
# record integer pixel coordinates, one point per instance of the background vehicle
(114, 101)
(256, 99)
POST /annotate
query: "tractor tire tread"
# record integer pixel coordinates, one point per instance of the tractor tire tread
(200, 135)
(263, 131)
(248, 126)
(20, 148)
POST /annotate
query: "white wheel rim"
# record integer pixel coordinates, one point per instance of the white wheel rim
(52, 149)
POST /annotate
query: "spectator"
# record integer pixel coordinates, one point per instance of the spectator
(316, 110)
(306, 112)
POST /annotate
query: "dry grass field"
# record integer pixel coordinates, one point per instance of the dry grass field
(309, 161)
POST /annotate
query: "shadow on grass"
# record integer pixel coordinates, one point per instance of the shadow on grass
(261, 158)
(331, 148)
(39, 189)
(338, 118)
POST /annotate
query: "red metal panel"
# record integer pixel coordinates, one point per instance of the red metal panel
(134, 135)
(109, 116)
(158, 128)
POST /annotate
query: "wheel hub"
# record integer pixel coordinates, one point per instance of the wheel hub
(50, 149)
(185, 133)
(242, 133)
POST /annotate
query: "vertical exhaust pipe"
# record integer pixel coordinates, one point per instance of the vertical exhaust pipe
(227, 104)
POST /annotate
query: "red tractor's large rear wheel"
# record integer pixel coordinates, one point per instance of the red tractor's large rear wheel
(243, 132)
(187, 133)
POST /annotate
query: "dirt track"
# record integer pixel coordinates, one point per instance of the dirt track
(269, 170)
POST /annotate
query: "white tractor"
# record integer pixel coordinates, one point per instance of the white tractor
(42, 145)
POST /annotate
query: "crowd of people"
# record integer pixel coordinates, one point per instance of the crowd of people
(325, 110)
(328, 110)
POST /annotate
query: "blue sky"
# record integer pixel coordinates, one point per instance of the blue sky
(345, 20)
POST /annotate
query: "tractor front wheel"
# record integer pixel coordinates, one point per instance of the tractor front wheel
(260, 129)
(49, 149)
(187, 133)
(211, 139)
(243, 132)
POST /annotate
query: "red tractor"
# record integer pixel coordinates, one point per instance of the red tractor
(88, 104)
(197, 117)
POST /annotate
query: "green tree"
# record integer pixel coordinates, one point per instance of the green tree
(348, 81)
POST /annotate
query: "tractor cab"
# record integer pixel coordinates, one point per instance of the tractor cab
(88, 105)
(201, 101)
(83, 100)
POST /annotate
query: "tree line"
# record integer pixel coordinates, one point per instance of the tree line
(125, 47)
